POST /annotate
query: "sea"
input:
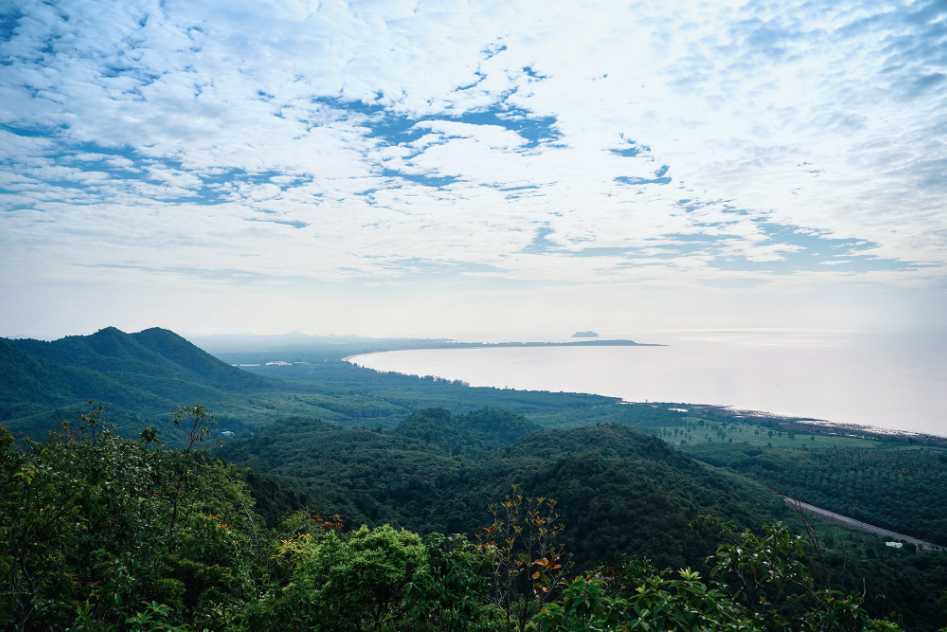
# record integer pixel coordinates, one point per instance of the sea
(894, 380)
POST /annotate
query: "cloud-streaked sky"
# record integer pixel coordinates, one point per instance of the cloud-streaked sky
(471, 169)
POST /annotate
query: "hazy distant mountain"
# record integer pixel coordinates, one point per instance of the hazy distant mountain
(585, 334)
(294, 346)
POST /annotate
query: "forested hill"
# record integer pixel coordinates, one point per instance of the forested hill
(475, 433)
(30, 385)
(97, 545)
(153, 354)
(140, 377)
(619, 490)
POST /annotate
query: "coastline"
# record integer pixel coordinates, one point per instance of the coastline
(451, 345)
(821, 426)
(798, 423)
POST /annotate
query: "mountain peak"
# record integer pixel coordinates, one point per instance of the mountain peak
(153, 353)
(158, 333)
(110, 331)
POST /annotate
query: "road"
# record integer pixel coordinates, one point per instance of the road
(858, 524)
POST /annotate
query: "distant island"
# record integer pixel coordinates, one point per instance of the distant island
(585, 334)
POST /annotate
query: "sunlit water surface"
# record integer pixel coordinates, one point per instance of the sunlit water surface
(893, 380)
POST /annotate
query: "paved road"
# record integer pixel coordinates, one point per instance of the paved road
(858, 524)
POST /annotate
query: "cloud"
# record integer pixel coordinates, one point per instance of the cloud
(523, 142)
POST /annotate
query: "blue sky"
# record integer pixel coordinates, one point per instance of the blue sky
(471, 169)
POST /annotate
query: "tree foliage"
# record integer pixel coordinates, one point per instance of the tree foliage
(759, 585)
(103, 533)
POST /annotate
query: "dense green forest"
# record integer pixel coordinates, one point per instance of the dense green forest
(416, 460)
(104, 533)
(620, 490)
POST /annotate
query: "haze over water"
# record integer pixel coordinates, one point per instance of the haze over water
(893, 380)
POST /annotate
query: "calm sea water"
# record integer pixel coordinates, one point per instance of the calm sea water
(893, 380)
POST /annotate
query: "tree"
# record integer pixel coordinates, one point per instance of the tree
(375, 580)
(758, 584)
(529, 562)
(93, 525)
(686, 604)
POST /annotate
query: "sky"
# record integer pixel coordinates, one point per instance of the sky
(473, 170)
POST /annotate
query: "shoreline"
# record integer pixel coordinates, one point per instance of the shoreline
(822, 426)
(806, 424)
(450, 346)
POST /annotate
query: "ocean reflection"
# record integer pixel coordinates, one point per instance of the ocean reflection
(888, 379)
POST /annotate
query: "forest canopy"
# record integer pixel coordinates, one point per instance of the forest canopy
(101, 532)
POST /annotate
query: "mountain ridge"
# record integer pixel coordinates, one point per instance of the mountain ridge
(154, 352)
(139, 377)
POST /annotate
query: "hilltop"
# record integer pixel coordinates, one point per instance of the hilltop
(138, 377)
(158, 354)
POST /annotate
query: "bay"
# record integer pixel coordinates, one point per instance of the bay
(895, 380)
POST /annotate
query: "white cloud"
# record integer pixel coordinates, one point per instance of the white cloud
(333, 141)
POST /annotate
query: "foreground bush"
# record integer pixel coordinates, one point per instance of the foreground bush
(92, 526)
(761, 586)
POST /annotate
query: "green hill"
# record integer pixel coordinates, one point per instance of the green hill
(183, 548)
(623, 491)
(140, 378)
(152, 353)
(619, 490)
(30, 385)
